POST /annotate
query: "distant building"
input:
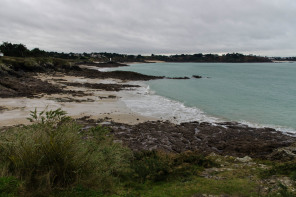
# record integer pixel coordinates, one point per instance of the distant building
(95, 55)
(1, 54)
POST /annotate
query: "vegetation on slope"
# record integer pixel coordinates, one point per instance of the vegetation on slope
(11, 65)
(54, 153)
(57, 157)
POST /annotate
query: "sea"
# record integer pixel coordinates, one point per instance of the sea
(256, 94)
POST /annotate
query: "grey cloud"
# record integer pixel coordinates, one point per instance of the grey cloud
(264, 27)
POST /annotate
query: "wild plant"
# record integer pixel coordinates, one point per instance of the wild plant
(54, 152)
(48, 117)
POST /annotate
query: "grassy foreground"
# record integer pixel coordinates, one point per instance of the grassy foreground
(57, 157)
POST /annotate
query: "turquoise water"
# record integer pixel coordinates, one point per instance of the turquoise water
(257, 93)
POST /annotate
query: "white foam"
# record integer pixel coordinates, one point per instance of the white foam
(104, 69)
(146, 103)
(286, 130)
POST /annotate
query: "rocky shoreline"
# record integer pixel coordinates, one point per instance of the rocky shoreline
(224, 138)
(228, 138)
(20, 83)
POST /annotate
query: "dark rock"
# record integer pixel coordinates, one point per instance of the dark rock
(102, 65)
(123, 75)
(284, 153)
(25, 86)
(101, 86)
(237, 141)
(177, 78)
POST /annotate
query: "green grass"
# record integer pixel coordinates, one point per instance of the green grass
(285, 168)
(179, 188)
(54, 153)
(158, 166)
(56, 157)
(199, 185)
(9, 186)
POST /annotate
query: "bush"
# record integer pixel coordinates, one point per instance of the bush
(284, 191)
(4, 69)
(287, 169)
(191, 163)
(159, 166)
(23, 64)
(8, 186)
(54, 153)
(151, 165)
(36, 64)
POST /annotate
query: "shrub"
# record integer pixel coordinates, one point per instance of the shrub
(4, 69)
(191, 163)
(151, 165)
(37, 64)
(284, 191)
(23, 64)
(54, 153)
(287, 169)
(159, 166)
(8, 186)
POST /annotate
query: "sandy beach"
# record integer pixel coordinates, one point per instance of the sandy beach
(95, 103)
(147, 98)
(93, 97)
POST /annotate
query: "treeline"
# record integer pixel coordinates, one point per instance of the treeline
(20, 50)
(229, 57)
(284, 58)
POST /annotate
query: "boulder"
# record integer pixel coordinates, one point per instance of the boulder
(284, 154)
(244, 159)
(197, 76)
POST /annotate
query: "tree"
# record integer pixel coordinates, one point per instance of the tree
(17, 50)
(36, 52)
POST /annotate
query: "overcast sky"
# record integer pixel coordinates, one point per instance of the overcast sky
(261, 27)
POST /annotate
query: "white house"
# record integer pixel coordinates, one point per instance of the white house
(1, 54)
